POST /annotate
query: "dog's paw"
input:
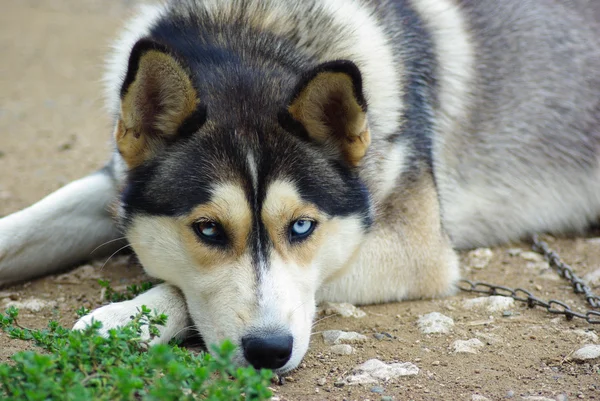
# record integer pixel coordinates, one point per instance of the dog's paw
(117, 315)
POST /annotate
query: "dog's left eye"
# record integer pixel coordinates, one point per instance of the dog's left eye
(210, 232)
(301, 229)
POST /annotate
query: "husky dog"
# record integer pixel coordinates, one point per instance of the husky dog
(272, 154)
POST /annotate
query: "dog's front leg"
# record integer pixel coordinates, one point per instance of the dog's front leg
(163, 298)
(407, 255)
(60, 230)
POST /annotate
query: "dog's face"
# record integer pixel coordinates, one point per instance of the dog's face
(247, 208)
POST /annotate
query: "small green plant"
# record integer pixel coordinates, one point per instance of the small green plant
(81, 365)
(130, 292)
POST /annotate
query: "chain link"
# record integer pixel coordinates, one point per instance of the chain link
(552, 306)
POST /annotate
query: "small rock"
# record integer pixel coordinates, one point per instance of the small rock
(339, 384)
(586, 353)
(374, 370)
(593, 278)
(562, 397)
(435, 363)
(507, 313)
(342, 349)
(479, 258)
(488, 338)
(13, 296)
(588, 336)
(333, 337)
(477, 397)
(494, 303)
(435, 323)
(32, 304)
(467, 347)
(387, 398)
(514, 251)
(344, 309)
(538, 266)
(321, 381)
(377, 390)
(532, 256)
(510, 394)
(537, 398)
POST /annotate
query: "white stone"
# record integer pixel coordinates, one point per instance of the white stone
(342, 349)
(514, 251)
(532, 256)
(374, 370)
(333, 337)
(586, 353)
(494, 303)
(467, 346)
(32, 304)
(343, 309)
(588, 336)
(537, 398)
(479, 258)
(592, 278)
(477, 397)
(435, 323)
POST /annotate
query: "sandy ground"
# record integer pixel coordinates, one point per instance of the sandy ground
(53, 129)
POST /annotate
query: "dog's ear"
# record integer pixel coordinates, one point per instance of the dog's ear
(330, 105)
(157, 97)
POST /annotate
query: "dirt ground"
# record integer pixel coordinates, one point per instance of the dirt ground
(53, 129)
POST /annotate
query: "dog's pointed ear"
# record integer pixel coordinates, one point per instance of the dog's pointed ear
(157, 97)
(330, 105)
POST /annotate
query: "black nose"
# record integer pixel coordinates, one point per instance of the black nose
(268, 352)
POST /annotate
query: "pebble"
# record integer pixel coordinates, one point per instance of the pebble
(532, 256)
(32, 304)
(342, 349)
(467, 346)
(479, 258)
(537, 398)
(510, 394)
(514, 251)
(435, 323)
(378, 390)
(494, 303)
(586, 353)
(387, 398)
(343, 309)
(334, 337)
(374, 371)
(588, 336)
(321, 381)
(592, 278)
(477, 397)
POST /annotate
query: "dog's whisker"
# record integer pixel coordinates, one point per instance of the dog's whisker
(323, 318)
(114, 253)
(108, 242)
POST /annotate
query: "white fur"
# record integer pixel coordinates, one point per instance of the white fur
(59, 230)
(160, 299)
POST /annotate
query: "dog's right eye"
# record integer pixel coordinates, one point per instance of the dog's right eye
(210, 232)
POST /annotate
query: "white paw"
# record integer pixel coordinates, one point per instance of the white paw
(118, 315)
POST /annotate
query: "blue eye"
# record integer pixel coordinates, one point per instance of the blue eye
(210, 232)
(301, 229)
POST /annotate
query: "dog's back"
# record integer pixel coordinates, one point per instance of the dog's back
(524, 155)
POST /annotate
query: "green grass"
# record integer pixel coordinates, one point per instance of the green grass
(81, 365)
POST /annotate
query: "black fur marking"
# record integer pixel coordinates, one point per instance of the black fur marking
(416, 51)
(337, 66)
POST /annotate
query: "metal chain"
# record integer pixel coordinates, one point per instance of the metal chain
(552, 306)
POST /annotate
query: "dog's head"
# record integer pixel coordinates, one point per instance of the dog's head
(242, 190)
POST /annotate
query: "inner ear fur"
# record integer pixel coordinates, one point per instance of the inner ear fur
(329, 103)
(156, 98)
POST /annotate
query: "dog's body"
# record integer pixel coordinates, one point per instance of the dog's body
(272, 154)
